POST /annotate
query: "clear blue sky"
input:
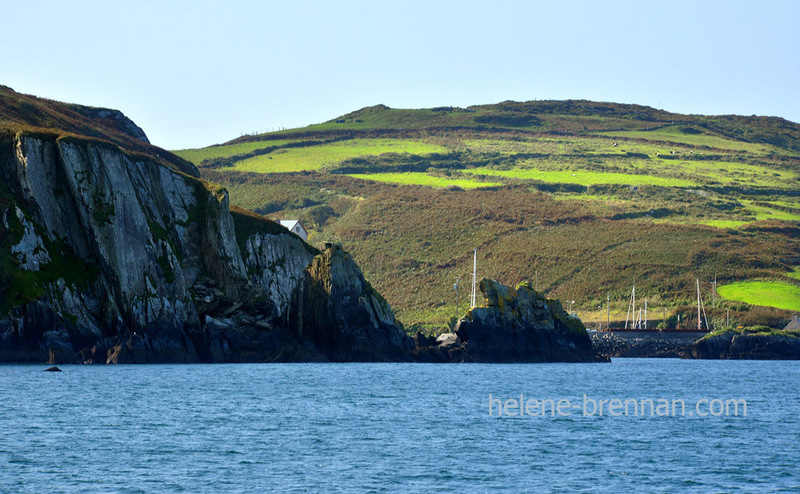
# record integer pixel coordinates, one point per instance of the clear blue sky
(194, 73)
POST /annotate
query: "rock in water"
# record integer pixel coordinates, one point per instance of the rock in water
(52, 369)
(515, 325)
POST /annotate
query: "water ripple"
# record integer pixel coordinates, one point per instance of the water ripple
(392, 427)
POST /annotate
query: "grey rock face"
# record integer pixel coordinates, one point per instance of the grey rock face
(276, 264)
(30, 251)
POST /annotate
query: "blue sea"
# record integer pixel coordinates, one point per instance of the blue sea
(401, 428)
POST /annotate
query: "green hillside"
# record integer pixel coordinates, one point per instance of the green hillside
(577, 196)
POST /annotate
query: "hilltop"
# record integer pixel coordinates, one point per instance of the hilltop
(578, 197)
(26, 113)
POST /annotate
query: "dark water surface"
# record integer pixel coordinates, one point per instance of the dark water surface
(395, 427)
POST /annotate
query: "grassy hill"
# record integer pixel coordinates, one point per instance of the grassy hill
(579, 197)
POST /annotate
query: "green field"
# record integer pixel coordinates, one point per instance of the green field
(748, 214)
(316, 157)
(581, 177)
(674, 134)
(197, 156)
(420, 178)
(776, 294)
(795, 273)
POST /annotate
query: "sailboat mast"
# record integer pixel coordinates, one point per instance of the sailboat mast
(631, 307)
(474, 276)
(699, 328)
(645, 313)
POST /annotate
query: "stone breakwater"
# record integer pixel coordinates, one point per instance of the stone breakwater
(725, 345)
(609, 345)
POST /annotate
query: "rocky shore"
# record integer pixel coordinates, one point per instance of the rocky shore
(753, 344)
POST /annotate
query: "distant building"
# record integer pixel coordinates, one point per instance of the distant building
(795, 324)
(295, 227)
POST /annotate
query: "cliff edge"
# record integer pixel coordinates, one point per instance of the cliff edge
(114, 255)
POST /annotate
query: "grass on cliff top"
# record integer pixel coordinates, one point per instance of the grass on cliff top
(755, 330)
(778, 294)
(420, 178)
(26, 113)
(316, 157)
(247, 223)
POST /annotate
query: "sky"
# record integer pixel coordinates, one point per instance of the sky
(195, 73)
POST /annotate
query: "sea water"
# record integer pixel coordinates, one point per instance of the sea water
(402, 427)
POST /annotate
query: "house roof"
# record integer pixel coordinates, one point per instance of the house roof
(289, 224)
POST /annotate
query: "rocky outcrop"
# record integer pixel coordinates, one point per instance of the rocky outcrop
(108, 256)
(512, 325)
(344, 317)
(755, 345)
(113, 119)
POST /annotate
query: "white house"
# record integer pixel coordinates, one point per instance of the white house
(295, 227)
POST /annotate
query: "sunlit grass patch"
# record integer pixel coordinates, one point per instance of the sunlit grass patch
(778, 294)
(421, 178)
(732, 224)
(582, 177)
(316, 157)
(795, 273)
(676, 135)
(730, 173)
(789, 204)
(588, 197)
(197, 156)
(765, 213)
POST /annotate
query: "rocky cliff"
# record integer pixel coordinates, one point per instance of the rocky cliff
(512, 325)
(109, 254)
